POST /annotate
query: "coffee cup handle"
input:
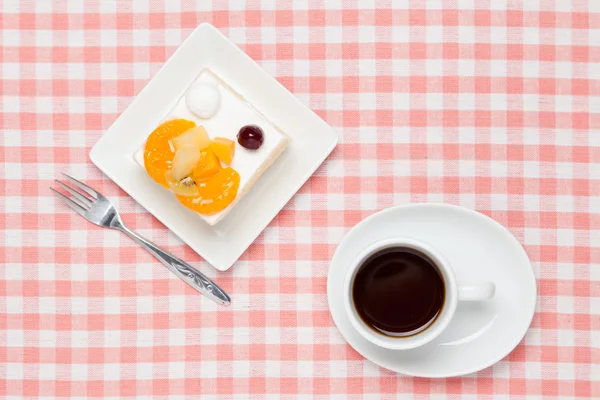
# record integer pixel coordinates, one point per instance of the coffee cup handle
(475, 291)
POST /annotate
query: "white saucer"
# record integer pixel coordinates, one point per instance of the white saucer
(479, 249)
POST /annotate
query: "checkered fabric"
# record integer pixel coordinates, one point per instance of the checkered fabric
(462, 102)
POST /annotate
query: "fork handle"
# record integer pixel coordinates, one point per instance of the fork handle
(183, 270)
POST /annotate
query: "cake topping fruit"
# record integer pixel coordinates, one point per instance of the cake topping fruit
(203, 99)
(251, 137)
(196, 137)
(223, 148)
(184, 187)
(159, 152)
(184, 161)
(215, 193)
(180, 156)
(207, 166)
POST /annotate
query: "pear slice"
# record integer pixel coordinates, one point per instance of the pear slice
(184, 161)
(195, 137)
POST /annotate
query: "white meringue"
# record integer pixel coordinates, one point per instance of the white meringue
(203, 99)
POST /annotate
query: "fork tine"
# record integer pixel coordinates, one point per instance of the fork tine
(83, 186)
(82, 199)
(75, 206)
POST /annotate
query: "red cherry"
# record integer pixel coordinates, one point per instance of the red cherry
(251, 137)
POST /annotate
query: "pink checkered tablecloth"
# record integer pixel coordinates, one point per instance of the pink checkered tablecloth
(467, 103)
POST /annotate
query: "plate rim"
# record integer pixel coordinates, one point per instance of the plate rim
(452, 207)
(97, 155)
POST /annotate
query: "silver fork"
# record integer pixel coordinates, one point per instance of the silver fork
(97, 209)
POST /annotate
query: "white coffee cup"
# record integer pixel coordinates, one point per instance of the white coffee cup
(454, 292)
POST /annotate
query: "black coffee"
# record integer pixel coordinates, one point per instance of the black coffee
(398, 291)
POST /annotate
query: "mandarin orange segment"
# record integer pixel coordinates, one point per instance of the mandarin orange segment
(223, 148)
(208, 165)
(159, 150)
(216, 193)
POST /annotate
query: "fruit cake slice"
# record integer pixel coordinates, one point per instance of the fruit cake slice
(232, 114)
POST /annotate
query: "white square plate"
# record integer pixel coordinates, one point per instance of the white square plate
(311, 142)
